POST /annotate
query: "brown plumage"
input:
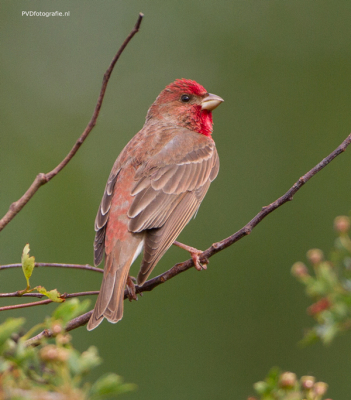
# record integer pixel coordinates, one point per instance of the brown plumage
(155, 187)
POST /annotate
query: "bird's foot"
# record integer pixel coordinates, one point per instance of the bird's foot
(195, 255)
(131, 288)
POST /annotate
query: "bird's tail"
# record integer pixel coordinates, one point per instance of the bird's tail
(109, 303)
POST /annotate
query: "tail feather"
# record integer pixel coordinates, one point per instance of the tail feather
(109, 303)
(114, 310)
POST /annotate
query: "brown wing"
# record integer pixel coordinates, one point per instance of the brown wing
(102, 216)
(167, 194)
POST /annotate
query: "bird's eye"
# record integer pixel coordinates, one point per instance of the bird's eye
(185, 98)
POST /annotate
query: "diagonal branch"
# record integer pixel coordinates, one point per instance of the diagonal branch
(42, 178)
(216, 247)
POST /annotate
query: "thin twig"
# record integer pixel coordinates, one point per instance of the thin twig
(18, 294)
(42, 178)
(32, 304)
(47, 333)
(56, 265)
(35, 340)
(39, 295)
(219, 246)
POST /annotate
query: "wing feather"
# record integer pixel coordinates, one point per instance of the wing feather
(158, 191)
(157, 241)
(215, 168)
(163, 180)
(102, 217)
(142, 200)
(141, 185)
(152, 216)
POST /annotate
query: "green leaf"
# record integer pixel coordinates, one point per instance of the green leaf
(52, 368)
(53, 295)
(110, 384)
(9, 327)
(261, 387)
(27, 263)
(70, 309)
(309, 338)
(81, 364)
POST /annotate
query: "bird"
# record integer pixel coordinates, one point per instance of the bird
(155, 187)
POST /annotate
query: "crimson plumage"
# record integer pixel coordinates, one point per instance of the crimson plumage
(155, 187)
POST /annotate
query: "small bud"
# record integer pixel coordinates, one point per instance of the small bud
(342, 224)
(319, 306)
(320, 388)
(63, 339)
(299, 270)
(315, 256)
(260, 387)
(287, 380)
(48, 353)
(307, 382)
(53, 353)
(62, 355)
(56, 328)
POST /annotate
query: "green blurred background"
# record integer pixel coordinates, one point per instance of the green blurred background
(283, 68)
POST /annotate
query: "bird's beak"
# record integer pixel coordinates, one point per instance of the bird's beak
(210, 102)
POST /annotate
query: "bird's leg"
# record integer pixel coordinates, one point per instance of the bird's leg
(133, 278)
(131, 288)
(195, 253)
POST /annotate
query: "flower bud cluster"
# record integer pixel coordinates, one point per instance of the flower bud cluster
(53, 353)
(328, 283)
(285, 385)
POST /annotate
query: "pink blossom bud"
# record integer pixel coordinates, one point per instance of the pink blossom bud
(342, 224)
(287, 379)
(307, 382)
(299, 270)
(315, 256)
(320, 388)
(56, 328)
(319, 306)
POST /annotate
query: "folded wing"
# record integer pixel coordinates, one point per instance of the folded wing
(168, 192)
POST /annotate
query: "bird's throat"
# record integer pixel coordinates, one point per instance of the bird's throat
(199, 121)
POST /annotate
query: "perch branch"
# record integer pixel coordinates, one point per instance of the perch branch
(42, 178)
(216, 247)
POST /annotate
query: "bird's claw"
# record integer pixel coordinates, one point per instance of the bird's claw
(131, 293)
(195, 255)
(196, 260)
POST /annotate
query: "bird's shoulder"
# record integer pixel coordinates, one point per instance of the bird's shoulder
(155, 147)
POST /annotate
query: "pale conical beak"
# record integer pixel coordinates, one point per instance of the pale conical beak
(210, 102)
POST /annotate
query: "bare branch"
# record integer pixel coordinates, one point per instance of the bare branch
(56, 265)
(32, 304)
(47, 333)
(288, 196)
(42, 178)
(35, 340)
(39, 295)
(18, 294)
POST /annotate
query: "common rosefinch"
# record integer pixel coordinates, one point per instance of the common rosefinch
(156, 185)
